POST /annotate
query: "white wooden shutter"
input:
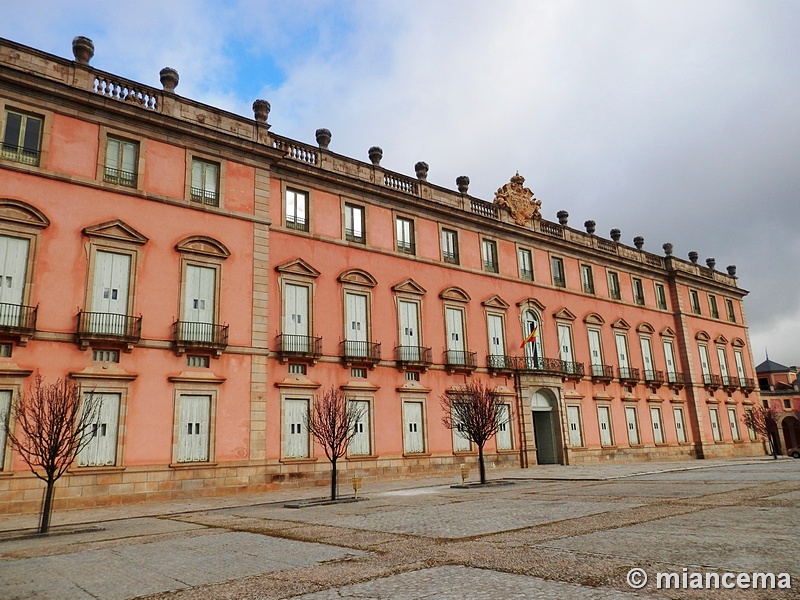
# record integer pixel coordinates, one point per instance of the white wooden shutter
(503, 427)
(604, 420)
(647, 355)
(356, 321)
(455, 329)
(295, 431)
(102, 447)
(412, 421)
(704, 360)
(669, 356)
(734, 424)
(679, 425)
(737, 357)
(658, 431)
(199, 301)
(460, 441)
(565, 343)
(193, 428)
(723, 361)
(633, 428)
(13, 266)
(110, 292)
(5, 409)
(497, 342)
(622, 350)
(574, 422)
(360, 443)
(595, 349)
(409, 330)
(715, 424)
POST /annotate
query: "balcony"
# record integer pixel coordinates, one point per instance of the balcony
(653, 377)
(499, 363)
(628, 375)
(460, 361)
(353, 235)
(108, 328)
(298, 223)
(18, 321)
(189, 335)
(20, 154)
(204, 196)
(544, 366)
(602, 373)
(712, 382)
(119, 177)
(414, 357)
(360, 353)
(302, 348)
(573, 370)
(747, 384)
(676, 380)
(729, 382)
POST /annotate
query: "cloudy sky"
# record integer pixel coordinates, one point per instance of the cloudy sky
(676, 120)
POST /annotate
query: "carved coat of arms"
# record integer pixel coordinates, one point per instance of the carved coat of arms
(519, 200)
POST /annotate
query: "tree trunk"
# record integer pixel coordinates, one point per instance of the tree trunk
(47, 507)
(333, 479)
(481, 465)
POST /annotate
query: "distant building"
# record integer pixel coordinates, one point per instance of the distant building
(780, 389)
(208, 277)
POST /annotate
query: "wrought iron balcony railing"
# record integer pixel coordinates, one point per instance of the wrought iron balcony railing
(413, 356)
(460, 360)
(572, 370)
(20, 154)
(676, 379)
(747, 384)
(729, 382)
(298, 223)
(119, 177)
(500, 363)
(653, 376)
(111, 328)
(353, 352)
(298, 347)
(17, 320)
(628, 374)
(712, 381)
(602, 372)
(204, 196)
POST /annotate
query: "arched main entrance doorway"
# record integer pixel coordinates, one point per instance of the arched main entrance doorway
(791, 432)
(543, 409)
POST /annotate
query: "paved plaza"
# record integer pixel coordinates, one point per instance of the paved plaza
(555, 532)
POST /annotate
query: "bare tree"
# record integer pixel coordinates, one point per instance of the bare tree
(764, 421)
(473, 411)
(333, 423)
(54, 425)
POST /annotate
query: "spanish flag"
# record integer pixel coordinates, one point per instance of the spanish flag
(531, 336)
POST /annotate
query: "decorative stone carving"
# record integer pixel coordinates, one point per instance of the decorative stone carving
(732, 270)
(616, 234)
(169, 78)
(82, 49)
(693, 256)
(261, 110)
(563, 217)
(323, 138)
(638, 241)
(667, 249)
(590, 226)
(375, 155)
(711, 262)
(421, 169)
(462, 181)
(519, 200)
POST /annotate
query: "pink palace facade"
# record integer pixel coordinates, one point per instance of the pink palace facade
(207, 278)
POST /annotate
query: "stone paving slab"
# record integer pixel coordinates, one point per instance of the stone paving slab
(628, 488)
(127, 571)
(784, 470)
(731, 538)
(464, 582)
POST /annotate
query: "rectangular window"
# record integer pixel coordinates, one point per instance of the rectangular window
(5, 410)
(497, 342)
(5, 350)
(729, 309)
(633, 426)
(22, 138)
(405, 236)
(565, 346)
(525, 264)
(410, 342)
(110, 293)
(296, 327)
(199, 304)
(107, 356)
(604, 421)
(712, 306)
(297, 368)
(413, 439)
(450, 246)
(361, 441)
(737, 358)
(638, 291)
(613, 285)
(461, 442)
(194, 424)
(705, 365)
(723, 364)
(102, 447)
(121, 160)
(356, 326)
(669, 357)
(574, 421)
(622, 355)
(661, 297)
(295, 432)
(557, 272)
(205, 182)
(412, 375)
(714, 414)
(647, 359)
(354, 230)
(679, 426)
(358, 373)
(694, 298)
(751, 432)
(658, 431)
(596, 353)
(734, 424)
(195, 360)
(504, 427)
(587, 279)
(489, 251)
(296, 210)
(787, 404)
(454, 328)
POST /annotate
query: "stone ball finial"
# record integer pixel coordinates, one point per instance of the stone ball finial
(82, 49)
(421, 169)
(375, 155)
(462, 181)
(169, 78)
(711, 262)
(616, 234)
(590, 226)
(732, 270)
(261, 110)
(323, 138)
(638, 241)
(563, 217)
(693, 256)
(667, 249)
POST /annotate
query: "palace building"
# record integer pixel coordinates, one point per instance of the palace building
(207, 278)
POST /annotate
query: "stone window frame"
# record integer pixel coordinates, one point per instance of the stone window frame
(195, 386)
(351, 204)
(663, 294)
(560, 283)
(456, 258)
(606, 404)
(141, 142)
(201, 251)
(191, 156)
(486, 265)
(356, 282)
(369, 398)
(419, 399)
(455, 298)
(587, 268)
(46, 133)
(614, 291)
(637, 285)
(303, 228)
(522, 274)
(399, 217)
(581, 427)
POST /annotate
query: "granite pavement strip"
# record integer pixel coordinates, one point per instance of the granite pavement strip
(559, 532)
